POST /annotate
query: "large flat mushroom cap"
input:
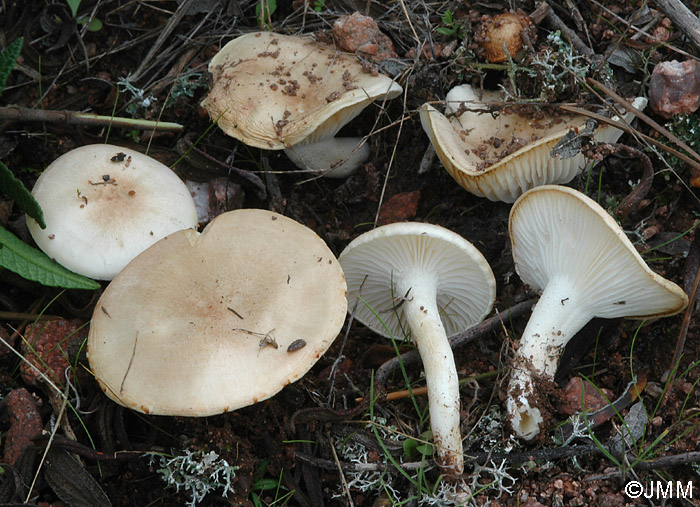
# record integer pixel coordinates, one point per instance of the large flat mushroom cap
(500, 157)
(105, 204)
(466, 287)
(187, 327)
(273, 91)
(559, 232)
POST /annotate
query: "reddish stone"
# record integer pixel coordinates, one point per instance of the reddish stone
(25, 423)
(45, 347)
(399, 208)
(674, 88)
(593, 399)
(358, 33)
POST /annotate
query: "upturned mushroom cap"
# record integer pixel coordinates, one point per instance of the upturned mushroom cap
(466, 287)
(201, 324)
(567, 246)
(500, 157)
(273, 91)
(105, 204)
(557, 231)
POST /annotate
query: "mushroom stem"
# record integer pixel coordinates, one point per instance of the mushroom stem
(428, 332)
(557, 317)
(336, 157)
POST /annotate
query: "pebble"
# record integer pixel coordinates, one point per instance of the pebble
(674, 88)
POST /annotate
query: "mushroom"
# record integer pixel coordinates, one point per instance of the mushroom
(201, 324)
(429, 282)
(275, 92)
(105, 204)
(501, 156)
(568, 247)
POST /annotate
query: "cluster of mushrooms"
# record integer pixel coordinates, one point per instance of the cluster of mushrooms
(258, 290)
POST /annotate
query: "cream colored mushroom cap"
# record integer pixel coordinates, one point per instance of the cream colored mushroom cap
(557, 231)
(372, 262)
(181, 330)
(273, 91)
(105, 204)
(457, 141)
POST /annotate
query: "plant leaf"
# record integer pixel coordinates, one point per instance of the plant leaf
(32, 264)
(16, 190)
(8, 58)
(73, 4)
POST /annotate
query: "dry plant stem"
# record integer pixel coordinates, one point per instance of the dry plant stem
(680, 343)
(25, 316)
(458, 340)
(546, 11)
(164, 34)
(22, 114)
(659, 128)
(604, 119)
(681, 17)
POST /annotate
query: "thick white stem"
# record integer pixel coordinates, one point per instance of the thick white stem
(423, 317)
(336, 157)
(557, 317)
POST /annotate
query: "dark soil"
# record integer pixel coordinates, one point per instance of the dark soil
(287, 448)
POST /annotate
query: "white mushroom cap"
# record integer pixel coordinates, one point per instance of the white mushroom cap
(187, 328)
(273, 91)
(105, 204)
(459, 141)
(337, 157)
(567, 246)
(424, 280)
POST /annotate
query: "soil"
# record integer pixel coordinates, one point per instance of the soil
(306, 445)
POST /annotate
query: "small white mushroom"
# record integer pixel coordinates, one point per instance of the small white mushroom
(278, 92)
(200, 324)
(424, 280)
(105, 204)
(568, 247)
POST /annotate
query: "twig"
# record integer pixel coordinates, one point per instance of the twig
(682, 17)
(164, 34)
(604, 119)
(545, 10)
(23, 114)
(413, 357)
(680, 343)
(629, 107)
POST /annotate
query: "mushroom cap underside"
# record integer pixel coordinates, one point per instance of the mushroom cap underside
(501, 157)
(559, 232)
(201, 324)
(105, 204)
(273, 91)
(372, 262)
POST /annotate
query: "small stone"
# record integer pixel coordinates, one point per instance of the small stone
(46, 348)
(593, 399)
(361, 33)
(399, 208)
(674, 88)
(25, 423)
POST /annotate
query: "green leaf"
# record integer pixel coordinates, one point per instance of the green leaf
(8, 58)
(94, 26)
(16, 190)
(32, 264)
(73, 4)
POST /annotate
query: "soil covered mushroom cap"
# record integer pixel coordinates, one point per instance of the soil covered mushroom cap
(273, 91)
(501, 156)
(105, 204)
(201, 324)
